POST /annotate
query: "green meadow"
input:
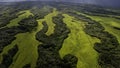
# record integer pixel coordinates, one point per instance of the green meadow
(26, 42)
(108, 24)
(27, 45)
(14, 22)
(79, 44)
(49, 22)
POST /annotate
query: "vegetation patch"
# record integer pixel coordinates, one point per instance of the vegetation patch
(26, 43)
(15, 21)
(79, 44)
(8, 57)
(49, 50)
(50, 23)
(108, 48)
(111, 25)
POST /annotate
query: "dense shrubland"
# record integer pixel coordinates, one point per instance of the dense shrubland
(26, 66)
(49, 50)
(28, 23)
(5, 18)
(8, 58)
(109, 48)
(39, 13)
(7, 36)
(116, 28)
(7, 13)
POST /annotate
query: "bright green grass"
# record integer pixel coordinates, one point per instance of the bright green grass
(109, 23)
(27, 42)
(27, 45)
(15, 21)
(79, 44)
(50, 23)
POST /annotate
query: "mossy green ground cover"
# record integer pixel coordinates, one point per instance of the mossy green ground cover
(79, 44)
(50, 23)
(108, 24)
(27, 43)
(15, 21)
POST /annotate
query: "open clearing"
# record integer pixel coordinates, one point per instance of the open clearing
(27, 45)
(14, 22)
(108, 24)
(79, 44)
(27, 42)
(50, 23)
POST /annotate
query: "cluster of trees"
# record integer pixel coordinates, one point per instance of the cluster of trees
(116, 28)
(28, 23)
(99, 10)
(9, 12)
(116, 17)
(49, 50)
(41, 12)
(6, 15)
(109, 47)
(7, 36)
(27, 66)
(8, 58)
(88, 9)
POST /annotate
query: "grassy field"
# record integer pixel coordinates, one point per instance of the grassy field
(79, 44)
(27, 45)
(109, 23)
(50, 23)
(15, 21)
(27, 42)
